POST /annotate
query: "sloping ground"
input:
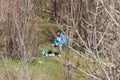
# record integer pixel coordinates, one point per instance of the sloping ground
(79, 62)
(60, 60)
(44, 68)
(46, 30)
(39, 68)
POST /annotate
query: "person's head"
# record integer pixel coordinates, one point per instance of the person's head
(58, 33)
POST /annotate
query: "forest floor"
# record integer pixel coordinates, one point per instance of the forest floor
(61, 64)
(40, 67)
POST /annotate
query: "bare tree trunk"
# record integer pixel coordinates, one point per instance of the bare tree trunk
(97, 25)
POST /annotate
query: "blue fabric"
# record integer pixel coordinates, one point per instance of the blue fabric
(60, 39)
(44, 52)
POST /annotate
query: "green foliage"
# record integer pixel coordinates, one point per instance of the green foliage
(44, 17)
(47, 31)
(49, 69)
(44, 13)
(9, 62)
(43, 68)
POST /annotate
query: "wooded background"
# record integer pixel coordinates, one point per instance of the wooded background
(91, 26)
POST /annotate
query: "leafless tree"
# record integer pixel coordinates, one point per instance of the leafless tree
(17, 33)
(93, 28)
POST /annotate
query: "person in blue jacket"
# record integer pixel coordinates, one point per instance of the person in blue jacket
(59, 41)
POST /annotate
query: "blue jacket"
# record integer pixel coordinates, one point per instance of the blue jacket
(60, 39)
